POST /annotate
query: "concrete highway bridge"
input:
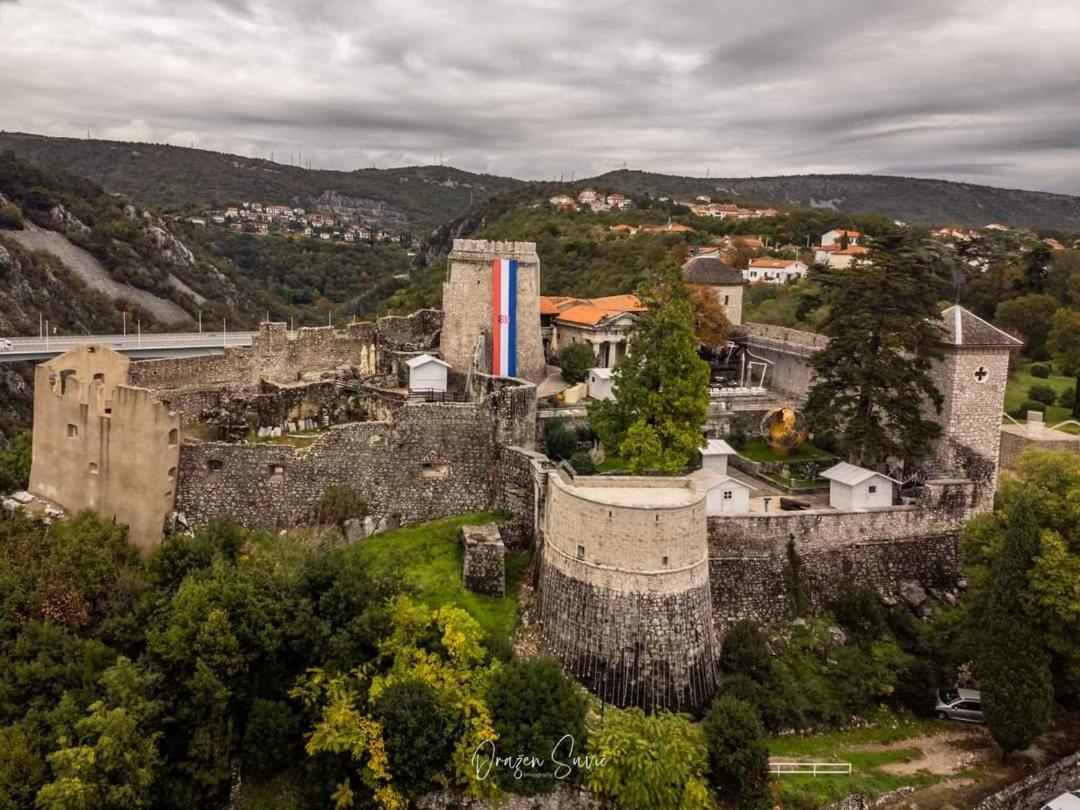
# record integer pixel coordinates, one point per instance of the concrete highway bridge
(139, 347)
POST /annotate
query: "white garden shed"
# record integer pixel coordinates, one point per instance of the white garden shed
(601, 383)
(714, 456)
(427, 373)
(854, 488)
(724, 495)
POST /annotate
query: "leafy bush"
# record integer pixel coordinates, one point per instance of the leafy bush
(417, 735)
(859, 611)
(745, 652)
(1029, 405)
(533, 707)
(11, 217)
(1042, 393)
(916, 686)
(271, 736)
(559, 442)
(585, 433)
(582, 463)
(341, 503)
(1040, 370)
(15, 463)
(657, 760)
(575, 361)
(1067, 398)
(738, 755)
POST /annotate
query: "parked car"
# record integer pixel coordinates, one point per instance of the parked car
(1066, 801)
(960, 704)
(7, 346)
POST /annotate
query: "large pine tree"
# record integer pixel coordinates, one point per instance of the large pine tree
(872, 386)
(1013, 662)
(661, 387)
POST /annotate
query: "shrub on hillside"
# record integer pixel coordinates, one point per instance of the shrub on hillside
(1067, 398)
(1029, 405)
(859, 611)
(745, 652)
(417, 734)
(582, 463)
(559, 442)
(1040, 370)
(533, 707)
(341, 503)
(738, 755)
(575, 361)
(915, 687)
(11, 217)
(1042, 393)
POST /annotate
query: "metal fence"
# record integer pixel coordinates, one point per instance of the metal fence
(810, 768)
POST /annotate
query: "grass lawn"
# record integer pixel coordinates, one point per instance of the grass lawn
(867, 776)
(1016, 391)
(610, 464)
(426, 561)
(757, 450)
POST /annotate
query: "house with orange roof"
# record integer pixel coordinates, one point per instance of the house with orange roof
(622, 227)
(774, 271)
(839, 259)
(603, 323)
(834, 237)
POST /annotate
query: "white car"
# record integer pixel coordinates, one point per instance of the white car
(7, 346)
(1066, 801)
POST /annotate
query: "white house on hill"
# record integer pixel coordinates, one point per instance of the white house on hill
(723, 494)
(852, 488)
(427, 373)
(774, 271)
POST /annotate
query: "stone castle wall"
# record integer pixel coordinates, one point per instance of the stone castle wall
(367, 346)
(879, 548)
(431, 460)
(624, 596)
(467, 298)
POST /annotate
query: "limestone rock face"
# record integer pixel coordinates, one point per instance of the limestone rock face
(912, 593)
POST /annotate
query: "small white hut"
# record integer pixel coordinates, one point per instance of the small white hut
(724, 495)
(427, 373)
(853, 488)
(601, 383)
(714, 456)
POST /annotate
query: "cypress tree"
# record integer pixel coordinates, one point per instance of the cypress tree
(1013, 661)
(872, 384)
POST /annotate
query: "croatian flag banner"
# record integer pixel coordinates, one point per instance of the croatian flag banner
(504, 317)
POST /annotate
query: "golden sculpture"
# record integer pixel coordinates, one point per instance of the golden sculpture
(784, 429)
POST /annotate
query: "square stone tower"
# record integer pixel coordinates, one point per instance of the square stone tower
(491, 300)
(971, 378)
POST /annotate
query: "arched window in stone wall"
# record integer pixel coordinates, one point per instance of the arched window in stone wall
(174, 437)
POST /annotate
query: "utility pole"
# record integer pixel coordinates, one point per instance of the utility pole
(125, 323)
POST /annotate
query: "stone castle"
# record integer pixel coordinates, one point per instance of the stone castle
(635, 580)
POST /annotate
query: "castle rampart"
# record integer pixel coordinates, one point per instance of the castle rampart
(624, 589)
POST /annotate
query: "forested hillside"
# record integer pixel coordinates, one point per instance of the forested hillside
(931, 202)
(175, 178)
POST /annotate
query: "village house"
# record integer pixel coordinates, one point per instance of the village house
(587, 196)
(837, 236)
(839, 259)
(603, 323)
(562, 201)
(774, 271)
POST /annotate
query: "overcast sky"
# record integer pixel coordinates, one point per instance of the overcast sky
(984, 91)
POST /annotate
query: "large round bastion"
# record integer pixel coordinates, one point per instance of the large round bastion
(624, 590)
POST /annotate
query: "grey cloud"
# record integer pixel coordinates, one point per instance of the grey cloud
(542, 88)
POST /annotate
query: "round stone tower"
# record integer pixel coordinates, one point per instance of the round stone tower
(624, 589)
(491, 285)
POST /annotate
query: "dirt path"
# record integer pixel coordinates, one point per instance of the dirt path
(96, 277)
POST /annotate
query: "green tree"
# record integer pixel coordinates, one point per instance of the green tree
(872, 384)
(655, 423)
(745, 652)
(534, 707)
(649, 761)
(738, 755)
(575, 360)
(417, 734)
(15, 463)
(271, 736)
(110, 762)
(1029, 317)
(559, 442)
(1013, 663)
(1063, 340)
